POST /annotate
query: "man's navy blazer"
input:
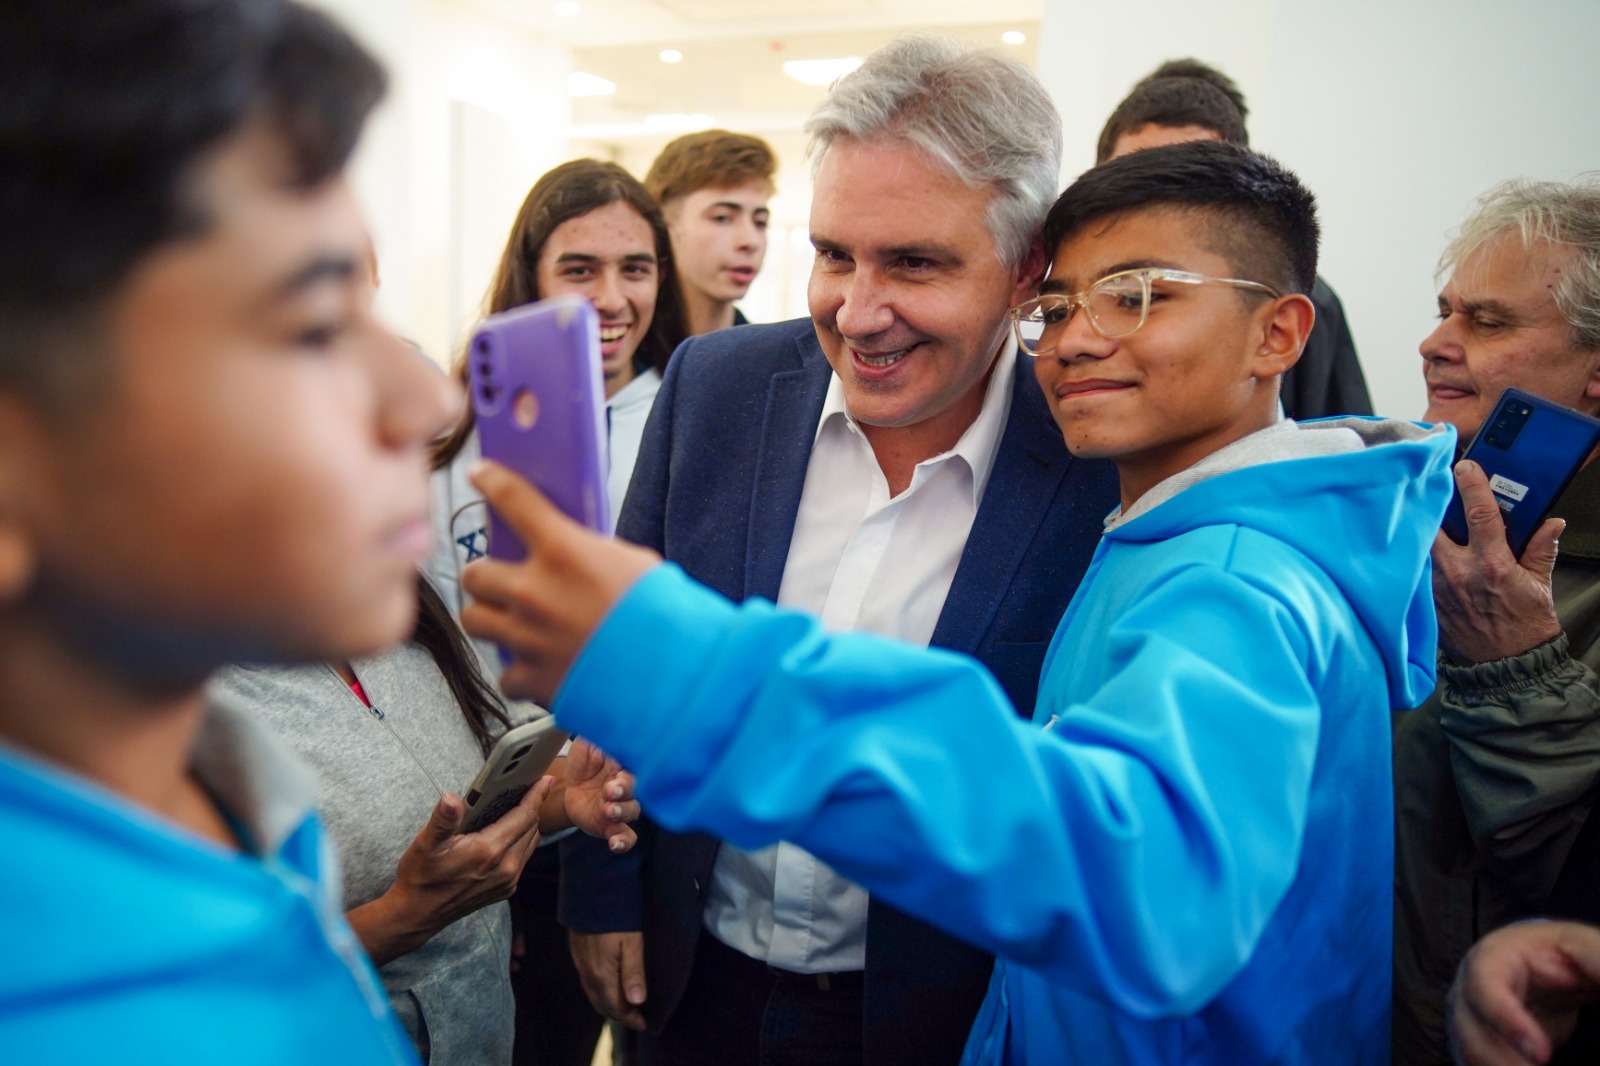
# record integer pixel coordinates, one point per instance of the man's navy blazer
(716, 490)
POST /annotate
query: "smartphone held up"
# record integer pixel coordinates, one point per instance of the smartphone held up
(537, 392)
(1530, 449)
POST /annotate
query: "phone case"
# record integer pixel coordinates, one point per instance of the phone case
(1530, 448)
(515, 765)
(536, 388)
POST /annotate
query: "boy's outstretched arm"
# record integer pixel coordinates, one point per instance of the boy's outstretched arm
(1135, 851)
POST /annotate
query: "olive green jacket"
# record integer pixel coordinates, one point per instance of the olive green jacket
(1494, 777)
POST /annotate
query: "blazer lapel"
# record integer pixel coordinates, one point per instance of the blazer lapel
(788, 430)
(1028, 470)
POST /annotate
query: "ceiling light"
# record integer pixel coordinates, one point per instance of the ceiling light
(568, 9)
(822, 72)
(580, 83)
(679, 123)
(671, 55)
(1014, 37)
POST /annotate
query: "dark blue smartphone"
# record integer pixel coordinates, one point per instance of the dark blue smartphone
(1530, 449)
(534, 374)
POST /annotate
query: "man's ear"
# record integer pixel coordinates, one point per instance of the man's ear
(1030, 273)
(1283, 336)
(18, 448)
(1591, 387)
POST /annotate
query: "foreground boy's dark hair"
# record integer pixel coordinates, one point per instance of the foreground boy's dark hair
(1258, 216)
(106, 108)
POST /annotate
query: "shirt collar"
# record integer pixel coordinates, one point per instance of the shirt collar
(261, 784)
(980, 443)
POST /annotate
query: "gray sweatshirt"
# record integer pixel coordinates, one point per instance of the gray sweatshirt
(381, 771)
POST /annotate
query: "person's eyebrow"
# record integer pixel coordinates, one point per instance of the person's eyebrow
(1497, 308)
(321, 269)
(1138, 264)
(920, 251)
(585, 257)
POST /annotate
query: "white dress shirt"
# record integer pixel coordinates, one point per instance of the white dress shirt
(859, 559)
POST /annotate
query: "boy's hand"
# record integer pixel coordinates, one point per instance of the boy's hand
(543, 610)
(599, 796)
(1491, 604)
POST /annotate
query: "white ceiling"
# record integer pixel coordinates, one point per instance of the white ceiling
(738, 82)
(604, 23)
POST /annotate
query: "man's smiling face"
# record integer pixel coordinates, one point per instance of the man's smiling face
(1499, 327)
(908, 292)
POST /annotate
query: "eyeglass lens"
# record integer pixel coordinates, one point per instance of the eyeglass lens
(1116, 307)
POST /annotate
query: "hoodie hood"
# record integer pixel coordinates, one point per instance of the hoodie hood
(1361, 497)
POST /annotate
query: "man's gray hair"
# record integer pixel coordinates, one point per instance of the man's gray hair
(1560, 213)
(980, 114)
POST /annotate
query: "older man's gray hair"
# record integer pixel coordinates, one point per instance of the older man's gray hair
(1559, 213)
(980, 114)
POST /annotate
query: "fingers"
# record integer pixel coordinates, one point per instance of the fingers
(528, 512)
(1539, 557)
(1499, 1022)
(520, 820)
(621, 785)
(1581, 944)
(443, 822)
(599, 959)
(1486, 527)
(632, 968)
(620, 839)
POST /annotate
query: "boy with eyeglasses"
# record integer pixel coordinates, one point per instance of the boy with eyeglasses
(1187, 857)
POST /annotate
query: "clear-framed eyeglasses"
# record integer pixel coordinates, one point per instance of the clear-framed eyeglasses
(1117, 305)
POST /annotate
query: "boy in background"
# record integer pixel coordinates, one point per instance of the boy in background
(713, 187)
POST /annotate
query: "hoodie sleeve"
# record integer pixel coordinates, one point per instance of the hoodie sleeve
(1134, 849)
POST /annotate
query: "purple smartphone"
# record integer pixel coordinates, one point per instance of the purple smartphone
(536, 388)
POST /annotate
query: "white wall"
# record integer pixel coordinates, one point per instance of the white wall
(476, 112)
(1396, 114)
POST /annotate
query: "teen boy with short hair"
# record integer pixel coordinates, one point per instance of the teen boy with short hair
(209, 451)
(1187, 857)
(713, 187)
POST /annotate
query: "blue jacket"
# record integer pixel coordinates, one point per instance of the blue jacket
(1187, 856)
(716, 490)
(124, 939)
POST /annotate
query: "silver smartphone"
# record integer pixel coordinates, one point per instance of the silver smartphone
(515, 765)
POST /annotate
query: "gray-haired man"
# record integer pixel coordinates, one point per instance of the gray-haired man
(885, 466)
(1495, 775)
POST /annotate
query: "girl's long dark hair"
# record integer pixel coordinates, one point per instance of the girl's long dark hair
(570, 191)
(437, 633)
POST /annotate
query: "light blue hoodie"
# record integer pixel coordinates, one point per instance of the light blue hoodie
(125, 939)
(1187, 857)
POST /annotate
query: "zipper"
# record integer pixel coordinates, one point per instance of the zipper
(377, 712)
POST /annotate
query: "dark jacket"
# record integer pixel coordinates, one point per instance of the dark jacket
(1327, 380)
(1494, 778)
(716, 490)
